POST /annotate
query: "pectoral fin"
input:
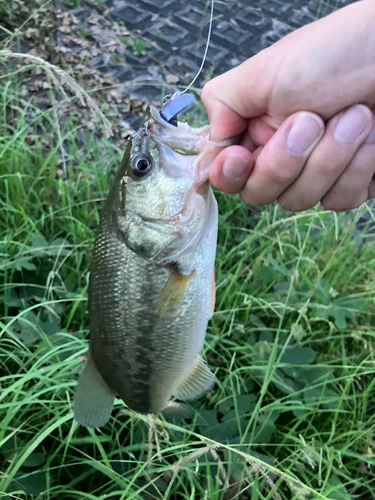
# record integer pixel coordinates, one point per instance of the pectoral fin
(200, 381)
(94, 400)
(173, 293)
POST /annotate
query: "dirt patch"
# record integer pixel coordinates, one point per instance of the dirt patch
(49, 57)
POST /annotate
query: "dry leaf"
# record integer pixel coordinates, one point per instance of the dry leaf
(64, 29)
(172, 79)
(93, 19)
(39, 51)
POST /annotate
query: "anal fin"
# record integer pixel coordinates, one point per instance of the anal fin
(94, 400)
(200, 380)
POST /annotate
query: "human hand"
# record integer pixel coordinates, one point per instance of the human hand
(305, 137)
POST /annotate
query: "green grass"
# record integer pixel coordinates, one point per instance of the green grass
(292, 342)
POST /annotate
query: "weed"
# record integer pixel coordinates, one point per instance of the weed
(292, 340)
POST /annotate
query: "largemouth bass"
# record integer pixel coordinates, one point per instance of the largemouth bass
(152, 286)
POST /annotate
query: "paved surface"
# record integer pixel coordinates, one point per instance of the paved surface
(175, 32)
(171, 36)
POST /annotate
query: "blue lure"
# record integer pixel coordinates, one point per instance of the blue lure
(175, 104)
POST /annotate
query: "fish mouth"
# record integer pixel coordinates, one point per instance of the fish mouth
(169, 224)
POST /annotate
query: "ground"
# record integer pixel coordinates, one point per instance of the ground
(292, 339)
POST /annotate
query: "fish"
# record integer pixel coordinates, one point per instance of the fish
(152, 281)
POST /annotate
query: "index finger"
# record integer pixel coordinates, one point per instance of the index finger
(234, 97)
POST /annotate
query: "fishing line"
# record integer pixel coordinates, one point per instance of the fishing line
(206, 49)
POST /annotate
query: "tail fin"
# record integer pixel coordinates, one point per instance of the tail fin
(94, 400)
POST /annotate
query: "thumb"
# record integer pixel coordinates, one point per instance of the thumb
(236, 96)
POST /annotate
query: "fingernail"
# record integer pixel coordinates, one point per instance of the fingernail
(234, 167)
(304, 134)
(352, 124)
(371, 138)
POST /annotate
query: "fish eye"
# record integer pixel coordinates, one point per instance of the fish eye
(141, 165)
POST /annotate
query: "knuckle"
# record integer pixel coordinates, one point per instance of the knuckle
(360, 201)
(326, 166)
(343, 204)
(207, 92)
(291, 205)
(280, 173)
(251, 199)
(364, 162)
(288, 206)
(230, 189)
(332, 206)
